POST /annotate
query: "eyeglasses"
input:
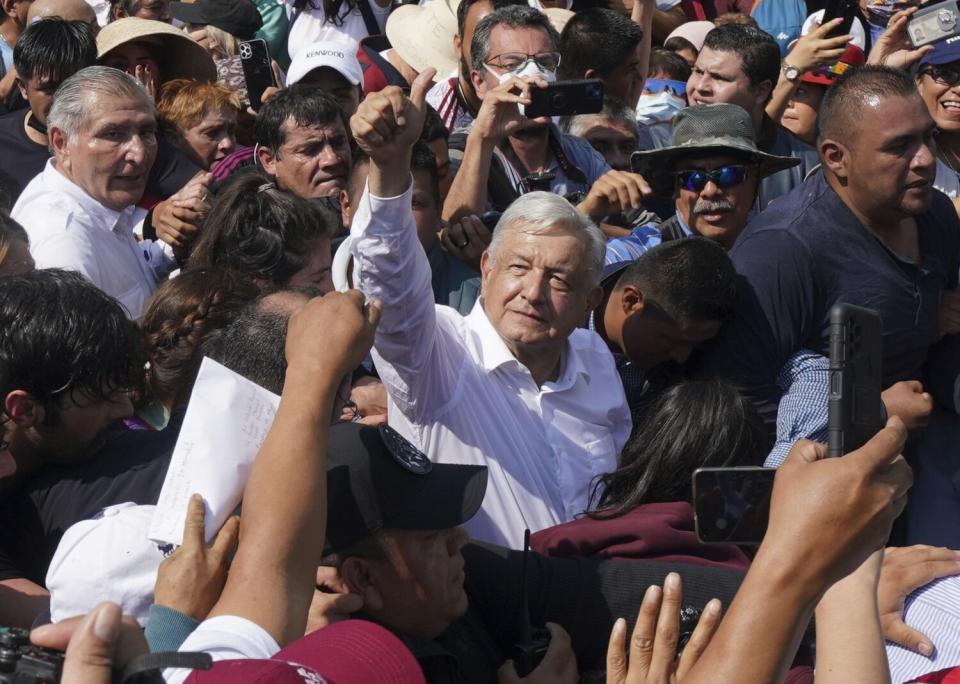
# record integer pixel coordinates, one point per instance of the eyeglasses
(942, 75)
(515, 61)
(725, 177)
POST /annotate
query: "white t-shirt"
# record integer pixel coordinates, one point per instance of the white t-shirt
(225, 637)
(310, 26)
(947, 180)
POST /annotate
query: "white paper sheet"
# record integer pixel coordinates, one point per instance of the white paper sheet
(226, 422)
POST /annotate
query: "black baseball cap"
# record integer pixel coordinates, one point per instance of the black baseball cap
(239, 18)
(376, 480)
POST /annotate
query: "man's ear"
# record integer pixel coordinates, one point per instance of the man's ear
(59, 145)
(268, 162)
(21, 86)
(344, 198)
(590, 73)
(23, 409)
(357, 575)
(631, 300)
(834, 155)
(486, 268)
(763, 91)
(457, 44)
(9, 7)
(479, 83)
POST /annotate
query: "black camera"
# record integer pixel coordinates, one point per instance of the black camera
(23, 663)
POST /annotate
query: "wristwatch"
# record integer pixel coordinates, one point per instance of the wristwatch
(791, 73)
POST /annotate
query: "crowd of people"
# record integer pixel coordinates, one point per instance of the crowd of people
(502, 344)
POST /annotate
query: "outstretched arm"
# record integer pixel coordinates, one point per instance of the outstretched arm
(271, 581)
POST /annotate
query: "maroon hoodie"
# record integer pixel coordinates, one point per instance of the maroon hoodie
(656, 532)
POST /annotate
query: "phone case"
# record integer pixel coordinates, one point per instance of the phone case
(566, 98)
(257, 69)
(856, 358)
(732, 505)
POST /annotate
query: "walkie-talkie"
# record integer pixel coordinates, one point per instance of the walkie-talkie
(533, 644)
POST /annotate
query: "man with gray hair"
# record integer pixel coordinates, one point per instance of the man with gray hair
(613, 132)
(514, 385)
(80, 211)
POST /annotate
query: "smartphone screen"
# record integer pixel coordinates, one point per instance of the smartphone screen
(257, 69)
(732, 505)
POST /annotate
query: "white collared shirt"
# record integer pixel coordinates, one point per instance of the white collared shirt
(70, 229)
(456, 391)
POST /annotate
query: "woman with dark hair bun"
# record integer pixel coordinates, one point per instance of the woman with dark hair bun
(644, 509)
(267, 235)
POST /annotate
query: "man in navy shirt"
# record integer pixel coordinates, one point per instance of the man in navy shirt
(868, 229)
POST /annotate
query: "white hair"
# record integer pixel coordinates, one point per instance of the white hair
(73, 107)
(539, 212)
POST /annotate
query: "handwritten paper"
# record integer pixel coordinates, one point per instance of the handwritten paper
(226, 422)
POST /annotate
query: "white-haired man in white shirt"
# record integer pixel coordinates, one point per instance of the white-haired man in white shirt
(80, 211)
(515, 386)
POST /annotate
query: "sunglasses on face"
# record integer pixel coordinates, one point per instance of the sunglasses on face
(942, 75)
(725, 177)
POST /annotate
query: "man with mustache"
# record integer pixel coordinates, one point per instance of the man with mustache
(867, 229)
(714, 167)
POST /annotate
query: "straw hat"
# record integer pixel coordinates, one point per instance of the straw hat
(423, 35)
(558, 17)
(182, 56)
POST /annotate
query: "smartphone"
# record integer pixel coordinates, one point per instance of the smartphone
(565, 98)
(732, 505)
(856, 360)
(257, 69)
(933, 23)
(490, 219)
(845, 9)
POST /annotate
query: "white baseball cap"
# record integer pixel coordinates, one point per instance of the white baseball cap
(107, 558)
(339, 56)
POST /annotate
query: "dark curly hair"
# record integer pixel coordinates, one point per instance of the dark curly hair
(181, 312)
(258, 230)
(60, 335)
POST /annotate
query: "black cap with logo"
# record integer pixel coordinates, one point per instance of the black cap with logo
(376, 479)
(239, 18)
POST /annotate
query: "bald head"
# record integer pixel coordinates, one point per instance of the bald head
(841, 111)
(71, 10)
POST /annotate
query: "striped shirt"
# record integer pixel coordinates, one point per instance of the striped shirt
(933, 610)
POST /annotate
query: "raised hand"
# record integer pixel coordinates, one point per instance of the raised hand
(614, 192)
(387, 123)
(893, 48)
(499, 115)
(191, 579)
(818, 48)
(653, 645)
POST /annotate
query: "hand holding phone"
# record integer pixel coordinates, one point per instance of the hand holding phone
(566, 98)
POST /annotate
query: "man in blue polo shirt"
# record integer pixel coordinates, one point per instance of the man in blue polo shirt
(868, 229)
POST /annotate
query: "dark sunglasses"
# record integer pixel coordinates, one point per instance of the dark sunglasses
(943, 75)
(724, 177)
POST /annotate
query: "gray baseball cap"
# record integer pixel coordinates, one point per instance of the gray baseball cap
(708, 130)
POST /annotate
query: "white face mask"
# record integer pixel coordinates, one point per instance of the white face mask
(660, 107)
(528, 68)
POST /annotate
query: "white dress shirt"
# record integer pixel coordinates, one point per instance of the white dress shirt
(457, 392)
(70, 229)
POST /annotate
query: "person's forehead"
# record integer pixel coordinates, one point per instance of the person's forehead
(422, 181)
(555, 246)
(106, 109)
(887, 118)
(720, 61)
(527, 39)
(218, 115)
(609, 130)
(299, 133)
